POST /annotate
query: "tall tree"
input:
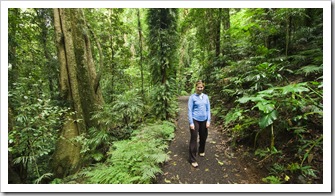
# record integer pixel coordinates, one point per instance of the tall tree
(77, 76)
(218, 33)
(162, 24)
(140, 49)
(162, 42)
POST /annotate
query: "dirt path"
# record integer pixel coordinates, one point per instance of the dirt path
(221, 165)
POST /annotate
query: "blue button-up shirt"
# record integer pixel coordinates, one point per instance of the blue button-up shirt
(199, 108)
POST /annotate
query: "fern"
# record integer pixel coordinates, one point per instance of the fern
(310, 69)
(46, 175)
(272, 180)
(135, 161)
(233, 115)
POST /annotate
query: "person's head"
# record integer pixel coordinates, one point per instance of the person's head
(199, 87)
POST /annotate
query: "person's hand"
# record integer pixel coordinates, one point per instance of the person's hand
(208, 124)
(192, 127)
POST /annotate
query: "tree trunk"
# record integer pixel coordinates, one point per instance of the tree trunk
(140, 48)
(111, 40)
(308, 17)
(77, 75)
(225, 32)
(218, 34)
(288, 34)
(226, 18)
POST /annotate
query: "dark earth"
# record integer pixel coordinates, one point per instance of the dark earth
(222, 164)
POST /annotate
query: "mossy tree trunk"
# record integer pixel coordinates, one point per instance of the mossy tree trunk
(77, 75)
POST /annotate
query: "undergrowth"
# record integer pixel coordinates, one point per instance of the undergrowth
(137, 160)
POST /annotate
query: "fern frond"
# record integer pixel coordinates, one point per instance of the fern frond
(309, 69)
(46, 175)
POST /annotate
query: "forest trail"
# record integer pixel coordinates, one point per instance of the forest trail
(221, 165)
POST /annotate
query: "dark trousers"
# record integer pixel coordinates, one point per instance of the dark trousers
(199, 127)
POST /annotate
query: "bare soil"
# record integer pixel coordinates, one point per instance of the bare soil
(221, 164)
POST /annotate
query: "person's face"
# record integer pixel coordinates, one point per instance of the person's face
(199, 88)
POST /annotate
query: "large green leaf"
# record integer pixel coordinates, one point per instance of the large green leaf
(294, 88)
(268, 119)
(265, 106)
(245, 99)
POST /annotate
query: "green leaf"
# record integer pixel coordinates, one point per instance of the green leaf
(97, 156)
(268, 119)
(244, 99)
(266, 107)
(294, 88)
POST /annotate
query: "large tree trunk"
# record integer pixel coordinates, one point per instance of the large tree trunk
(77, 75)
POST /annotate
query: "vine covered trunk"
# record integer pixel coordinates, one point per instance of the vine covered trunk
(77, 75)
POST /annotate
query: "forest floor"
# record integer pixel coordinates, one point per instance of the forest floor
(221, 164)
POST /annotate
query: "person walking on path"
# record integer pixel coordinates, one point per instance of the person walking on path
(199, 117)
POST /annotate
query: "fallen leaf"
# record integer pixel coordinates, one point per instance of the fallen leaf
(310, 158)
(206, 169)
(167, 181)
(287, 178)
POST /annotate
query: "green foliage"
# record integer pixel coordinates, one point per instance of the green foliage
(310, 69)
(272, 180)
(56, 181)
(262, 76)
(233, 115)
(35, 131)
(114, 122)
(267, 152)
(162, 43)
(308, 147)
(135, 161)
(272, 109)
(266, 101)
(184, 93)
(270, 61)
(128, 108)
(164, 104)
(280, 174)
(46, 175)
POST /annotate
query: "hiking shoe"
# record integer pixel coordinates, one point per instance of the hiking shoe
(202, 154)
(195, 164)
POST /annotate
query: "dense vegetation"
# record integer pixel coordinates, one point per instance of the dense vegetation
(89, 89)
